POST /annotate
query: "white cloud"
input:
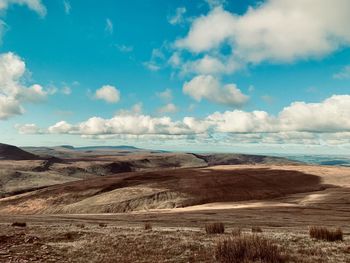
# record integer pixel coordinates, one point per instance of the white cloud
(209, 31)
(209, 88)
(61, 127)
(331, 115)
(178, 17)
(9, 107)
(109, 26)
(132, 124)
(168, 108)
(242, 122)
(67, 7)
(35, 5)
(210, 65)
(28, 129)
(165, 95)
(326, 122)
(108, 93)
(274, 31)
(344, 73)
(34, 93)
(13, 92)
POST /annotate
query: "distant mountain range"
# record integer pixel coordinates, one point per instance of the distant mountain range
(10, 152)
(338, 160)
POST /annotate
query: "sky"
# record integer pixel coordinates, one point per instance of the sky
(247, 76)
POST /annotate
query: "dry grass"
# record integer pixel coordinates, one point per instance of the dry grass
(115, 243)
(148, 226)
(19, 224)
(256, 229)
(215, 228)
(236, 232)
(102, 225)
(250, 248)
(323, 233)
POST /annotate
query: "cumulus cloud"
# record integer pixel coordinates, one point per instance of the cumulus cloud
(178, 17)
(325, 122)
(209, 88)
(13, 92)
(168, 108)
(9, 107)
(209, 64)
(132, 124)
(242, 122)
(274, 31)
(34, 93)
(108, 93)
(61, 127)
(35, 5)
(209, 31)
(331, 115)
(28, 129)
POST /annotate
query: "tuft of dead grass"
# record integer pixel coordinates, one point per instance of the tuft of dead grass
(236, 231)
(19, 224)
(248, 248)
(323, 233)
(148, 226)
(215, 228)
(256, 229)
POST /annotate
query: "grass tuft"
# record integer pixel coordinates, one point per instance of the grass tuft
(19, 224)
(148, 226)
(237, 231)
(247, 248)
(323, 233)
(215, 228)
(256, 229)
(80, 225)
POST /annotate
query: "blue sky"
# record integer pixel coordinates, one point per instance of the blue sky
(247, 76)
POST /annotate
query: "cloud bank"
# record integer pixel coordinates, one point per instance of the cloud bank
(300, 122)
(13, 91)
(273, 31)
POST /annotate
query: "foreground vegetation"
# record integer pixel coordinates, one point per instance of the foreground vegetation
(105, 242)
